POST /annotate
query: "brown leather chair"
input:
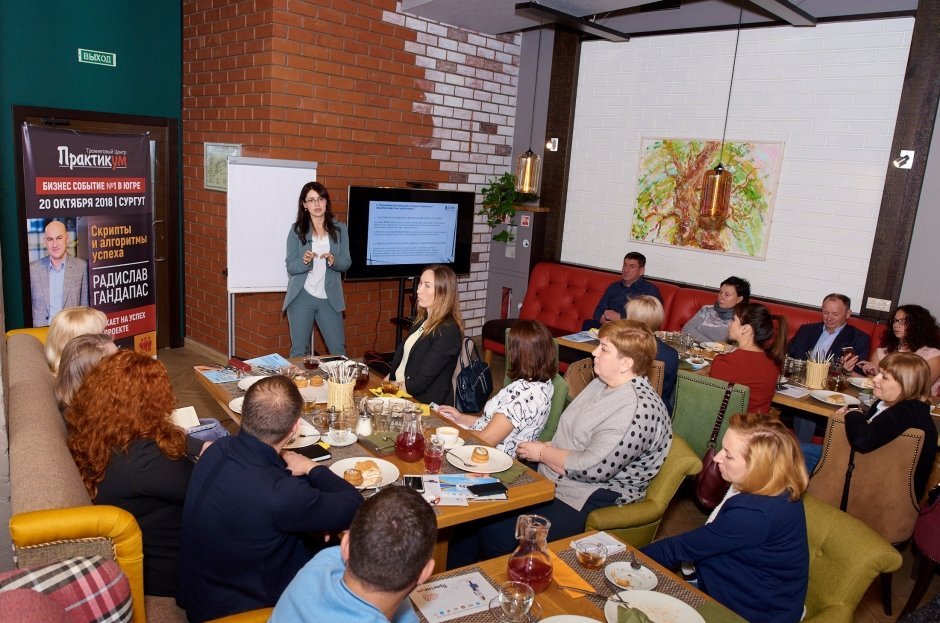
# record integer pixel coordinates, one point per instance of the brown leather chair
(578, 375)
(656, 374)
(881, 489)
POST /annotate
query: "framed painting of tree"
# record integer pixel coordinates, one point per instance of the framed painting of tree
(669, 189)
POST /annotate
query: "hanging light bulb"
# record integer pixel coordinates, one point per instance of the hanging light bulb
(528, 172)
(716, 185)
(529, 164)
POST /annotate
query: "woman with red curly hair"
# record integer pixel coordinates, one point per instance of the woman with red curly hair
(132, 456)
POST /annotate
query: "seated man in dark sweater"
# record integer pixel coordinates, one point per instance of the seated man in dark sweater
(249, 506)
(632, 283)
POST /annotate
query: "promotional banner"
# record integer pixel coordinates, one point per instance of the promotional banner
(89, 215)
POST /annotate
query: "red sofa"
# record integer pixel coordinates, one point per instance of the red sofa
(562, 296)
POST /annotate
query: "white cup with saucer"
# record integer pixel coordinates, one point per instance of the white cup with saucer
(450, 435)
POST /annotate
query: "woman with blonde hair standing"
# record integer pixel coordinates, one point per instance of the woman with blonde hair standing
(424, 363)
(317, 255)
(752, 555)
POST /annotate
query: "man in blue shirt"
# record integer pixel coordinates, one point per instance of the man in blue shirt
(632, 283)
(367, 579)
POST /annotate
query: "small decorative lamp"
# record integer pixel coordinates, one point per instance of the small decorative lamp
(716, 187)
(529, 164)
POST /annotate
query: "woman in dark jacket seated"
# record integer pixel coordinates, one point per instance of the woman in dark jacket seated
(132, 456)
(424, 363)
(752, 555)
(902, 387)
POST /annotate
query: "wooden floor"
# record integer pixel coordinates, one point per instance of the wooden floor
(681, 516)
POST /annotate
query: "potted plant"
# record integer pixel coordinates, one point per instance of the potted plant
(500, 198)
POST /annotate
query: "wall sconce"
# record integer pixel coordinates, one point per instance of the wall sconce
(905, 160)
(551, 144)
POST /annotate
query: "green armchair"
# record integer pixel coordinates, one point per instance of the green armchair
(845, 556)
(698, 399)
(637, 523)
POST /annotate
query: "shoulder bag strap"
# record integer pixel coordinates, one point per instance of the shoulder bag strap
(844, 503)
(713, 440)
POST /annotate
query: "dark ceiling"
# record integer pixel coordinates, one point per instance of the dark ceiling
(640, 17)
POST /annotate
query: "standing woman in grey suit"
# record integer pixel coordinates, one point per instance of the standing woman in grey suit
(317, 252)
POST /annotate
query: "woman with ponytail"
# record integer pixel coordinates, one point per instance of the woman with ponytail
(756, 362)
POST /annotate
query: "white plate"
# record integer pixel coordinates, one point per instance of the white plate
(861, 382)
(248, 381)
(390, 473)
(236, 404)
(716, 347)
(626, 577)
(307, 435)
(499, 461)
(350, 440)
(659, 607)
(569, 618)
(697, 366)
(825, 396)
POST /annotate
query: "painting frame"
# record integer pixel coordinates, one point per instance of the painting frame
(216, 164)
(670, 175)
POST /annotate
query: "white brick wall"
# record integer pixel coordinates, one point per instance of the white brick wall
(830, 93)
(471, 80)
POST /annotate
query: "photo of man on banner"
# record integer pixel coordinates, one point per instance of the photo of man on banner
(58, 279)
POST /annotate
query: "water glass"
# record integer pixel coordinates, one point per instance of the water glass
(515, 600)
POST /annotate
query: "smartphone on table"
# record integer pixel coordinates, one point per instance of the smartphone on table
(415, 482)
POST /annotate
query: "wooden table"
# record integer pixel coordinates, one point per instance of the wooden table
(587, 347)
(555, 601)
(535, 490)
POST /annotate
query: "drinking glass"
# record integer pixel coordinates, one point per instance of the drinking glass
(590, 555)
(515, 600)
(339, 429)
(311, 362)
(433, 455)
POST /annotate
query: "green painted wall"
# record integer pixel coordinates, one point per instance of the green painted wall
(39, 66)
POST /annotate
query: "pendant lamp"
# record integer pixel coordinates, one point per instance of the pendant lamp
(716, 187)
(529, 164)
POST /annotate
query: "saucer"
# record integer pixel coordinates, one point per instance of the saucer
(350, 440)
(460, 441)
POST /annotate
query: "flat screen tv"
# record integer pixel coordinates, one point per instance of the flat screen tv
(395, 232)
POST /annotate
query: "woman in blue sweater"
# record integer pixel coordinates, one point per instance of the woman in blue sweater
(752, 554)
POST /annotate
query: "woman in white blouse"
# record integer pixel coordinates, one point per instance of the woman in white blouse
(519, 411)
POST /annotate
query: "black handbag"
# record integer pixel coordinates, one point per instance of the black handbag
(474, 381)
(710, 486)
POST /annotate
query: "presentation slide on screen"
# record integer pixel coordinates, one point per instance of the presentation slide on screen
(411, 233)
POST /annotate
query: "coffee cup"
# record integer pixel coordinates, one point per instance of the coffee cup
(448, 434)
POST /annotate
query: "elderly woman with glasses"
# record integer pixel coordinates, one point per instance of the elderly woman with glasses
(317, 255)
(912, 329)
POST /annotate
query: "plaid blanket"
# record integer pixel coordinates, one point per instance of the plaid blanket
(86, 589)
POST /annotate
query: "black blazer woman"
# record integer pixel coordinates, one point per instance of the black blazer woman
(424, 363)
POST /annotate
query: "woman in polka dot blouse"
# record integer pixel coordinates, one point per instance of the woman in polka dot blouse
(611, 442)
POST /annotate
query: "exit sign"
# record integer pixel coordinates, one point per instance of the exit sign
(96, 57)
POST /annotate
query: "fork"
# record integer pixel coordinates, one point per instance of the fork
(612, 597)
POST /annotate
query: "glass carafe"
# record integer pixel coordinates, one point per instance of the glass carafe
(409, 444)
(530, 563)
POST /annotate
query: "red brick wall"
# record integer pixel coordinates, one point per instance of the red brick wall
(372, 95)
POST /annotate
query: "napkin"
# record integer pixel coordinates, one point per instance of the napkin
(793, 392)
(383, 443)
(565, 575)
(626, 614)
(511, 475)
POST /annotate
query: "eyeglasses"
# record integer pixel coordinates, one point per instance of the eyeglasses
(315, 200)
(900, 321)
